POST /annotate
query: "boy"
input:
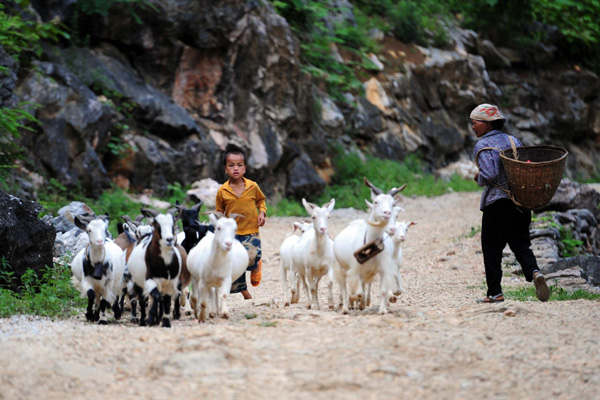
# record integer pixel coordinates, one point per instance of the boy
(242, 196)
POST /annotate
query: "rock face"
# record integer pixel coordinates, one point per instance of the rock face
(164, 86)
(25, 241)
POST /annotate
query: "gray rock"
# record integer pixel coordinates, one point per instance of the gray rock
(25, 241)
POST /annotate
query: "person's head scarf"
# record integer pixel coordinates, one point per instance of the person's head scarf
(487, 113)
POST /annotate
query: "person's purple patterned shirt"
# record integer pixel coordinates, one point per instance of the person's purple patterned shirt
(491, 170)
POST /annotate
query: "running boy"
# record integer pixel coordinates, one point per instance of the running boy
(242, 196)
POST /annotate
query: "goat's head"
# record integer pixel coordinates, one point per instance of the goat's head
(96, 228)
(163, 226)
(302, 226)
(382, 206)
(188, 217)
(319, 215)
(224, 229)
(398, 230)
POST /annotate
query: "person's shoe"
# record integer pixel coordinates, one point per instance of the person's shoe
(541, 288)
(499, 298)
(256, 275)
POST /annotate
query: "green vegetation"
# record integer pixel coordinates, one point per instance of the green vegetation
(20, 38)
(349, 190)
(570, 246)
(556, 294)
(52, 295)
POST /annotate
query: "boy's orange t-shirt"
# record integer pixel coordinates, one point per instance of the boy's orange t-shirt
(249, 204)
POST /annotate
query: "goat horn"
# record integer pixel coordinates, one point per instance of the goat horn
(234, 215)
(395, 191)
(218, 214)
(196, 207)
(375, 189)
(149, 211)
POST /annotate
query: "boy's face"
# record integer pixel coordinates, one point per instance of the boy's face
(235, 166)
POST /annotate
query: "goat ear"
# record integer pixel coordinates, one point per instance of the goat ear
(139, 218)
(213, 218)
(234, 215)
(126, 218)
(369, 204)
(217, 214)
(173, 212)
(297, 225)
(308, 206)
(329, 205)
(79, 223)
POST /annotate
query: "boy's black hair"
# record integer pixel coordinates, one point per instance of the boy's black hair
(233, 149)
(496, 125)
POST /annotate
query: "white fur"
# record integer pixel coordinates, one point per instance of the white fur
(214, 263)
(313, 256)
(286, 264)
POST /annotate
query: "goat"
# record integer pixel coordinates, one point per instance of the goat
(397, 232)
(132, 231)
(286, 265)
(348, 271)
(214, 264)
(98, 269)
(313, 255)
(156, 265)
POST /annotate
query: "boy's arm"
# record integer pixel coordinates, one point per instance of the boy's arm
(261, 204)
(219, 205)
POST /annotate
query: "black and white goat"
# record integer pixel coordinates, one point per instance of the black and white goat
(98, 269)
(156, 265)
(193, 229)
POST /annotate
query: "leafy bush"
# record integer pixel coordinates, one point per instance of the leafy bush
(53, 295)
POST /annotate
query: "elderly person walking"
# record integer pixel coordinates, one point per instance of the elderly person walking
(503, 222)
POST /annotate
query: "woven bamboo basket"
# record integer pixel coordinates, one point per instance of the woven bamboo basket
(534, 173)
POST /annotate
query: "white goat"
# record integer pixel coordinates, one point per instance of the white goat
(349, 271)
(313, 255)
(155, 265)
(286, 264)
(388, 274)
(214, 263)
(397, 233)
(98, 269)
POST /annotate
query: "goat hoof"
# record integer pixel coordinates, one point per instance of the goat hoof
(166, 323)
(393, 299)
(225, 316)
(102, 322)
(212, 315)
(287, 304)
(135, 320)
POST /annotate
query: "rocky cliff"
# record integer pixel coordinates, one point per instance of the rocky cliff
(155, 93)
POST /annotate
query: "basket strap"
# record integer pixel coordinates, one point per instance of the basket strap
(514, 147)
(493, 184)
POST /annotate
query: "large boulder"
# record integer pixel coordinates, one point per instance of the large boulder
(73, 127)
(25, 241)
(573, 195)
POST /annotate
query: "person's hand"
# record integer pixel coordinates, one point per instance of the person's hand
(261, 218)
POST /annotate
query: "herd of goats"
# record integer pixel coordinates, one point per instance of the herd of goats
(151, 262)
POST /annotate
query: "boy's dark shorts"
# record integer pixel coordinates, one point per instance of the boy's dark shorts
(252, 243)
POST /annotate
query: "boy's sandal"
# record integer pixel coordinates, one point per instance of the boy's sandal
(499, 298)
(256, 274)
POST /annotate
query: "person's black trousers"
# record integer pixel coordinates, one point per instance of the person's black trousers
(505, 223)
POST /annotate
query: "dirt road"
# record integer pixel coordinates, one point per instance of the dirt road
(436, 343)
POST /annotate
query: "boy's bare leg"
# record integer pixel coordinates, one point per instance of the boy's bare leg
(246, 294)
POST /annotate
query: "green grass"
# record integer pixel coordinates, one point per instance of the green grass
(349, 190)
(556, 294)
(53, 295)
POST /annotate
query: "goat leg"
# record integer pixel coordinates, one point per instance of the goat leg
(89, 314)
(154, 310)
(176, 310)
(166, 321)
